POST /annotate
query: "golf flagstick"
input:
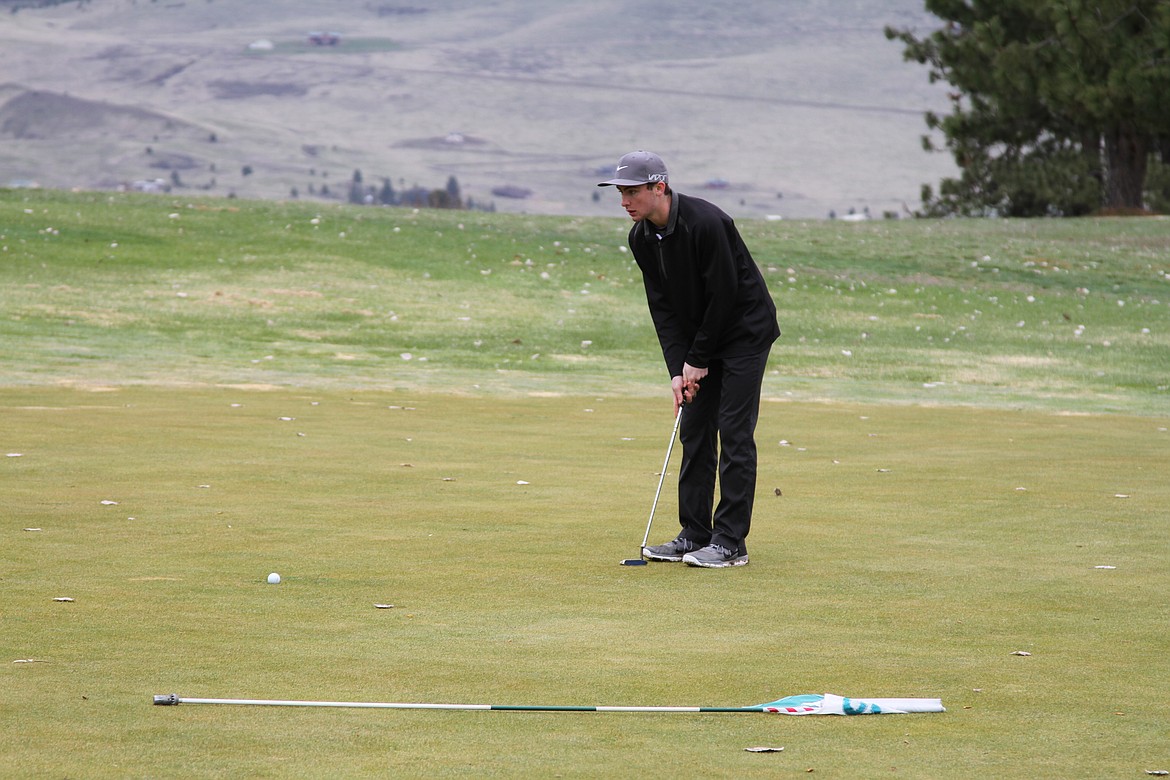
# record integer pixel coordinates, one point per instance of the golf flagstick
(813, 704)
(641, 559)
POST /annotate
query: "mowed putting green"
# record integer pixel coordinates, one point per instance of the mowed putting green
(174, 428)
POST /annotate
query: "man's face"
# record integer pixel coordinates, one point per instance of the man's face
(641, 200)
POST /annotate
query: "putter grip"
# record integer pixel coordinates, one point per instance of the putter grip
(167, 699)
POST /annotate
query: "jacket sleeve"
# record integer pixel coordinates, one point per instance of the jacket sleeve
(715, 257)
(670, 329)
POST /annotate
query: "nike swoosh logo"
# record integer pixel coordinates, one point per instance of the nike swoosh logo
(621, 168)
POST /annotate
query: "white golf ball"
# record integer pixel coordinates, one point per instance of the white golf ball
(273, 578)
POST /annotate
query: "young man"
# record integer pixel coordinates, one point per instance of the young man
(716, 323)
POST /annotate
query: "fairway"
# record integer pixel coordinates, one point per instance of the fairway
(464, 416)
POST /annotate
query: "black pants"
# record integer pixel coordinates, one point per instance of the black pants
(718, 436)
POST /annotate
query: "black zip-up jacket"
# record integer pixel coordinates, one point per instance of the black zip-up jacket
(707, 297)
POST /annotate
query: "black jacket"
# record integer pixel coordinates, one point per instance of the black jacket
(706, 294)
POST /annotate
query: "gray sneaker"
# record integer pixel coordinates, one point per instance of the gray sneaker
(674, 550)
(715, 557)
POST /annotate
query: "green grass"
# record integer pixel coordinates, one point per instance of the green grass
(921, 534)
(125, 290)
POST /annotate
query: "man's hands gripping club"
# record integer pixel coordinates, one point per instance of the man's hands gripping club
(686, 387)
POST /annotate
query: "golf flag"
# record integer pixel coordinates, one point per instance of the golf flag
(831, 704)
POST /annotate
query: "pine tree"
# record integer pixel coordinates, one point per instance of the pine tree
(386, 195)
(1059, 103)
(454, 198)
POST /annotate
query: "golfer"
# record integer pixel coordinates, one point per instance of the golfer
(716, 323)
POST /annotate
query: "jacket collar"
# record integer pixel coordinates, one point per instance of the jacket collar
(651, 230)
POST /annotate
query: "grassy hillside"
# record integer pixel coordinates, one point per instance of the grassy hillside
(795, 108)
(117, 289)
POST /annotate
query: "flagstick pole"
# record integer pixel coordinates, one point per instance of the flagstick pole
(174, 699)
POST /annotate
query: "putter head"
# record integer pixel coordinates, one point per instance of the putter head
(167, 699)
(634, 562)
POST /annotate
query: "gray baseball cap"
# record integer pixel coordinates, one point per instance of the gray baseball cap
(637, 168)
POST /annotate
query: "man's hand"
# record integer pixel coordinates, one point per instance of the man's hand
(676, 385)
(686, 387)
(691, 378)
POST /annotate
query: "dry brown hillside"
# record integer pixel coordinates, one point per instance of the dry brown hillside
(790, 109)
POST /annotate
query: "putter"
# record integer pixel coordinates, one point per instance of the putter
(641, 559)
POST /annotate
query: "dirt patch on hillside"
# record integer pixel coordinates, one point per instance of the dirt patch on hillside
(453, 141)
(241, 90)
(35, 115)
(173, 161)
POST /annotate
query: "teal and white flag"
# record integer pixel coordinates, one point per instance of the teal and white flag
(831, 704)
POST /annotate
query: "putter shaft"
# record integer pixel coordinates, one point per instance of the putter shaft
(661, 479)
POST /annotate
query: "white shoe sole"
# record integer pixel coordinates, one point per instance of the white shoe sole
(691, 560)
(661, 558)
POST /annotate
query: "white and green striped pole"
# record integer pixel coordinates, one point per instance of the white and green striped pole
(171, 698)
